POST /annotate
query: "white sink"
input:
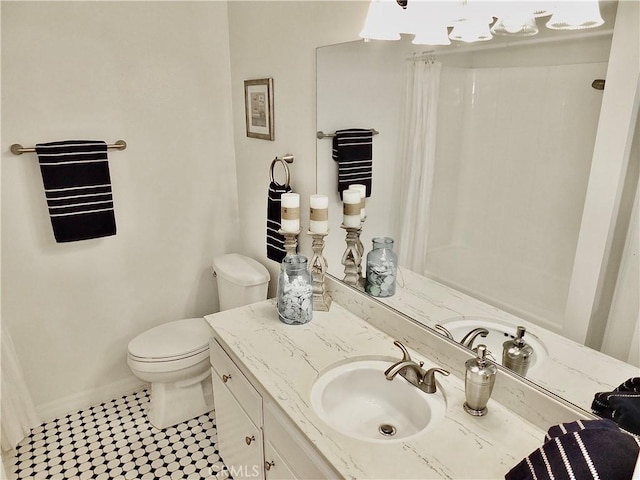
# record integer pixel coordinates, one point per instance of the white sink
(356, 399)
(499, 332)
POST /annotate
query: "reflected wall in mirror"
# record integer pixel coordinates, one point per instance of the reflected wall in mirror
(486, 190)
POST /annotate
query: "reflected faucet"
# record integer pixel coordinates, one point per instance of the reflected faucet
(470, 337)
(413, 372)
(444, 331)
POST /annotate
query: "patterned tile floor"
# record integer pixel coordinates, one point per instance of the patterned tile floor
(113, 440)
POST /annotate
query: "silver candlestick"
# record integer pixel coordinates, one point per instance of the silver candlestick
(321, 298)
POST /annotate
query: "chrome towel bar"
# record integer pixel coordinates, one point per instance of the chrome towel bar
(320, 134)
(18, 149)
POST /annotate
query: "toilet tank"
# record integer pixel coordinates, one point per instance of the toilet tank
(241, 280)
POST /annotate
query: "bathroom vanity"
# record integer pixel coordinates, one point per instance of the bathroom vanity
(264, 372)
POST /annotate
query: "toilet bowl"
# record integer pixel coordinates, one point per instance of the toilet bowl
(174, 357)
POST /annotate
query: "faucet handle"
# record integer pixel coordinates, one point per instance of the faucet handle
(443, 331)
(429, 379)
(405, 354)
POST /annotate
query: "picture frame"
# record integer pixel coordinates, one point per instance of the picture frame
(258, 105)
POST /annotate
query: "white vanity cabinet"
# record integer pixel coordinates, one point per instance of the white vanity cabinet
(256, 441)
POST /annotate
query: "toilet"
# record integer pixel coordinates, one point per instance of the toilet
(174, 357)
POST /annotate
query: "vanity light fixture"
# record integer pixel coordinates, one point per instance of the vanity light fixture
(437, 22)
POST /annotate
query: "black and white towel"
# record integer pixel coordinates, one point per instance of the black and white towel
(622, 405)
(353, 150)
(77, 187)
(595, 449)
(275, 240)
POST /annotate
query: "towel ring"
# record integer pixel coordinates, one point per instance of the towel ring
(283, 161)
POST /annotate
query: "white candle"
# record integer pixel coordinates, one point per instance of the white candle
(318, 214)
(351, 208)
(290, 212)
(363, 195)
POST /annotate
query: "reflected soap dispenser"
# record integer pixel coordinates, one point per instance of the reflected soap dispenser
(479, 379)
(516, 353)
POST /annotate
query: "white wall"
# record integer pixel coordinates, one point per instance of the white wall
(278, 40)
(155, 74)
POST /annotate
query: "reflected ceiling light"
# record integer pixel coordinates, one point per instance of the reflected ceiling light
(470, 31)
(473, 20)
(432, 37)
(383, 21)
(575, 15)
(520, 23)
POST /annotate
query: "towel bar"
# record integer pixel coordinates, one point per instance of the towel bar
(18, 149)
(320, 134)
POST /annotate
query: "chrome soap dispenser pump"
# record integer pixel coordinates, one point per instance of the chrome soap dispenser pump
(516, 353)
(480, 377)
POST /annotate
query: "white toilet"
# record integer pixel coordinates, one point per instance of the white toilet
(174, 357)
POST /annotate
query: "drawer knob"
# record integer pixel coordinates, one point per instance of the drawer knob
(250, 439)
(226, 378)
(268, 465)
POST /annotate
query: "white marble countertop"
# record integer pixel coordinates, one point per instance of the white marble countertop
(287, 360)
(571, 370)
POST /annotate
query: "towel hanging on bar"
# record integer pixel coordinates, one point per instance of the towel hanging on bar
(353, 150)
(77, 186)
(275, 240)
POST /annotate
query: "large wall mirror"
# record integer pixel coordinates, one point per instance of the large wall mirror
(498, 200)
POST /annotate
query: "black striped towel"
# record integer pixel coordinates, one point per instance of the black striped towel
(353, 150)
(621, 405)
(275, 240)
(77, 187)
(579, 450)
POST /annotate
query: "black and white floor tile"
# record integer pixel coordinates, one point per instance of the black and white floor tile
(114, 440)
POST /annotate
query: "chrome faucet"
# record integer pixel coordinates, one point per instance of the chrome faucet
(469, 338)
(413, 372)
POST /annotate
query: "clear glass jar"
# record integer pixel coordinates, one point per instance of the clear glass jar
(295, 291)
(382, 268)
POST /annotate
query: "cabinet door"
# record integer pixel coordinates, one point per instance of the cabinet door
(275, 466)
(239, 440)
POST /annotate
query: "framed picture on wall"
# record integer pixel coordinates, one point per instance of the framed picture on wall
(258, 105)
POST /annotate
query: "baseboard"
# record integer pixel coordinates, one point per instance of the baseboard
(86, 398)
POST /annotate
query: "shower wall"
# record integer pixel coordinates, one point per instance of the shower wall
(507, 210)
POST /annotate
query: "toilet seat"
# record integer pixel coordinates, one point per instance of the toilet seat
(184, 342)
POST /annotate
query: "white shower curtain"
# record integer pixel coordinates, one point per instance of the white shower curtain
(18, 413)
(418, 160)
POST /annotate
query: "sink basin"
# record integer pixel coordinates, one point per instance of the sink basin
(499, 332)
(357, 400)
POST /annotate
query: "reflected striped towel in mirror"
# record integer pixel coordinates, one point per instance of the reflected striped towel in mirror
(353, 150)
(77, 187)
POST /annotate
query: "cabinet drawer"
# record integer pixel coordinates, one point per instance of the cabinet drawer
(232, 377)
(239, 441)
(275, 467)
(297, 452)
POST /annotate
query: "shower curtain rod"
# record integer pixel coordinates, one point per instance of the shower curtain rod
(535, 41)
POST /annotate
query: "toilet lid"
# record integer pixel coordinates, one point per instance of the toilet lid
(172, 340)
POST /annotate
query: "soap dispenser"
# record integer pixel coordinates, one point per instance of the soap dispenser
(478, 384)
(516, 353)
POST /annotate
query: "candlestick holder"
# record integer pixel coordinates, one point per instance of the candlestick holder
(319, 265)
(290, 241)
(360, 247)
(352, 258)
